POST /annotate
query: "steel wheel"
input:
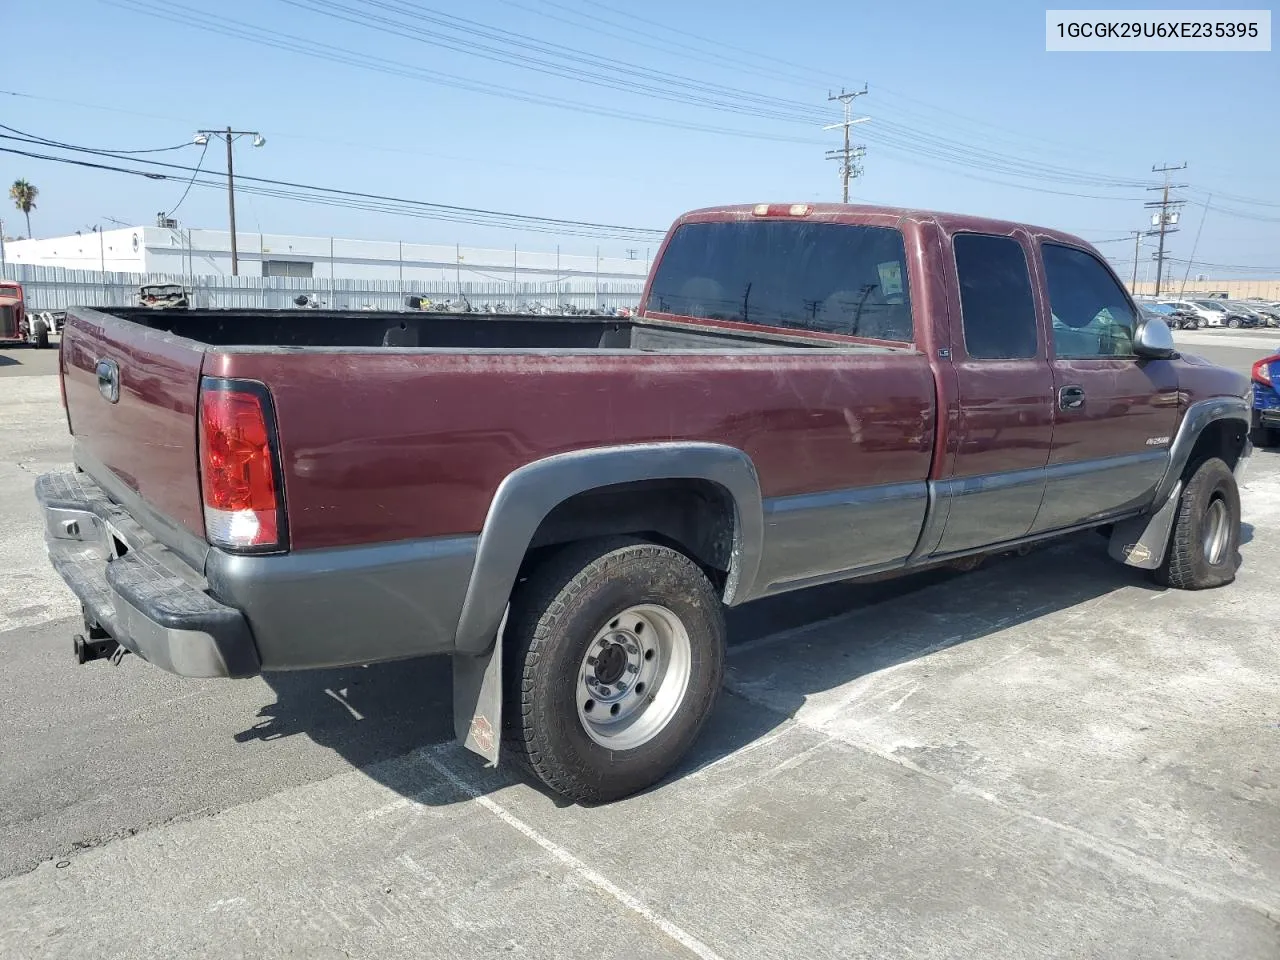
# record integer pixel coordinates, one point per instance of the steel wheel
(633, 677)
(1217, 531)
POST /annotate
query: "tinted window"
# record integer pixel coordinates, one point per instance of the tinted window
(996, 304)
(1092, 317)
(838, 278)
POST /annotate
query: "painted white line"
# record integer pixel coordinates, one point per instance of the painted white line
(596, 879)
(341, 698)
(1134, 861)
(741, 751)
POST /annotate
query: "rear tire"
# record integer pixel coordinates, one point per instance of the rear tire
(594, 741)
(1204, 546)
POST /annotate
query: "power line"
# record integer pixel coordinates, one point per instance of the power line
(721, 99)
(199, 164)
(379, 202)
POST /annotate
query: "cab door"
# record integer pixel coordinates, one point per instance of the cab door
(996, 479)
(1114, 413)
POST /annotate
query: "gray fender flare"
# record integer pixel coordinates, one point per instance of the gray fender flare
(1142, 541)
(527, 495)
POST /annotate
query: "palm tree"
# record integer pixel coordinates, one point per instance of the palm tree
(24, 196)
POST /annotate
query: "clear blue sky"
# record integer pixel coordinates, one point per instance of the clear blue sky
(951, 84)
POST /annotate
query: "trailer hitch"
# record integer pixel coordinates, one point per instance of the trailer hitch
(96, 649)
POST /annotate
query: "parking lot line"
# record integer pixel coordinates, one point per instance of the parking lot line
(594, 877)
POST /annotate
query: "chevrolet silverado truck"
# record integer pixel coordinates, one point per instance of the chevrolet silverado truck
(566, 505)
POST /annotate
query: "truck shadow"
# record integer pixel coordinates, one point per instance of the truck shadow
(394, 721)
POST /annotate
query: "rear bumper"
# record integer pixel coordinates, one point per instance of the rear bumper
(138, 590)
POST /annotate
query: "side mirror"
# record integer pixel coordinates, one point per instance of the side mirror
(1154, 341)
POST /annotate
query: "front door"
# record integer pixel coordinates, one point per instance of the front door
(997, 477)
(1115, 414)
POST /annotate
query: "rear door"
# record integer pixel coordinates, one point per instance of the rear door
(997, 477)
(131, 398)
(1115, 414)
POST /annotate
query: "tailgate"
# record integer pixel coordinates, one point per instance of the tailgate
(146, 435)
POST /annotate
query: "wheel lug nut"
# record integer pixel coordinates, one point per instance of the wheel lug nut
(632, 668)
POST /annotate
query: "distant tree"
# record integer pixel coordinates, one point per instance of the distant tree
(23, 195)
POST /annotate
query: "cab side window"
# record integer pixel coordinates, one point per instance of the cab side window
(1092, 317)
(996, 304)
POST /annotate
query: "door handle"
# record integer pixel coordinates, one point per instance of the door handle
(1070, 398)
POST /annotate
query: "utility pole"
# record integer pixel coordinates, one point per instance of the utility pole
(1164, 220)
(850, 153)
(230, 136)
(1137, 240)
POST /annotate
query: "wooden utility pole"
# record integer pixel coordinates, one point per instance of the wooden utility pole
(229, 136)
(1165, 220)
(850, 153)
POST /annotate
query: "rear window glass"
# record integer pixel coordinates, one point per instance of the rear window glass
(837, 278)
(996, 305)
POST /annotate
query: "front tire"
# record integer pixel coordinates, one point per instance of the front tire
(1204, 546)
(615, 658)
(40, 335)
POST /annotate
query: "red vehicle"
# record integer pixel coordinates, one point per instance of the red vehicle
(566, 505)
(15, 323)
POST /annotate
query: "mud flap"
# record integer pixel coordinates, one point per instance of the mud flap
(1142, 541)
(477, 699)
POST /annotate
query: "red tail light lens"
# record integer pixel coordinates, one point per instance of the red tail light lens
(239, 474)
(1262, 370)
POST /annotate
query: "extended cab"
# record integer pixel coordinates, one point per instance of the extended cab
(566, 505)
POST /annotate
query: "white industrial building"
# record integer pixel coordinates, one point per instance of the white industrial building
(183, 252)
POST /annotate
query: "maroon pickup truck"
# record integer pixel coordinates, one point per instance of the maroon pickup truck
(566, 505)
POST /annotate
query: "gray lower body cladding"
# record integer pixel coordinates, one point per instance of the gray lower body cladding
(276, 612)
(318, 608)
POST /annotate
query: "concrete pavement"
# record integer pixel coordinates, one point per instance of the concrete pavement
(1043, 758)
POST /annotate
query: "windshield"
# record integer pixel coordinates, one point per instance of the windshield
(837, 278)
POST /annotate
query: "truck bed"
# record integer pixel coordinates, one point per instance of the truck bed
(363, 328)
(398, 426)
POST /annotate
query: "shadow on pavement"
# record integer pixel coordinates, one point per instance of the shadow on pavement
(392, 709)
(8, 361)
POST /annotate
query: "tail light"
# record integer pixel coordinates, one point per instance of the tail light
(1262, 370)
(240, 476)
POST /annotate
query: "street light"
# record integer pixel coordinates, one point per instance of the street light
(230, 136)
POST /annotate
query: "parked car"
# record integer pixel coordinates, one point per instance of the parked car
(16, 324)
(1188, 308)
(1265, 377)
(1220, 315)
(1179, 318)
(164, 296)
(829, 393)
(1253, 315)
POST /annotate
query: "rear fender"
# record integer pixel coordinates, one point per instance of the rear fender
(522, 502)
(528, 494)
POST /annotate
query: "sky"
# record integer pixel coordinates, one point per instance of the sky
(620, 113)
